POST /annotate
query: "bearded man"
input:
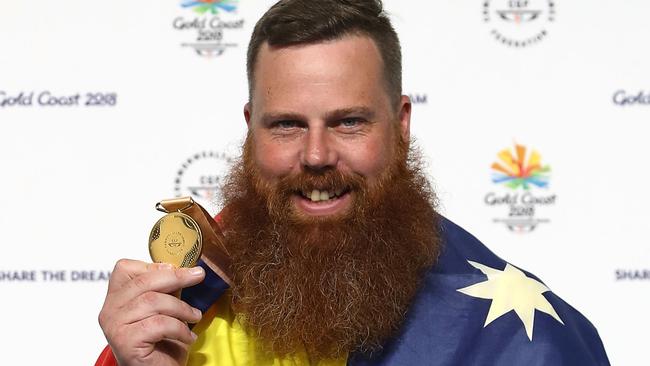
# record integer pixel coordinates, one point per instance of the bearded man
(338, 254)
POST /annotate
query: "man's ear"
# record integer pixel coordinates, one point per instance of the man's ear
(405, 117)
(247, 114)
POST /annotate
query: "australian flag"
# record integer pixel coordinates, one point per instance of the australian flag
(473, 309)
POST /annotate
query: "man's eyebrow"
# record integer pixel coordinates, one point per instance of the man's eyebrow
(268, 118)
(360, 111)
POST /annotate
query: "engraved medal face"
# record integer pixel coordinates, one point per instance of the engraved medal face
(176, 239)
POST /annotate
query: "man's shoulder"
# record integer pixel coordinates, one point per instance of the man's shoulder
(474, 308)
(459, 247)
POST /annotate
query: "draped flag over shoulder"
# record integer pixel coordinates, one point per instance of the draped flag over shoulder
(473, 309)
(476, 309)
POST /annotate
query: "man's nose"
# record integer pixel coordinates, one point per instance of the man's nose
(318, 152)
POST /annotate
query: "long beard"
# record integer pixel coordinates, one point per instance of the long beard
(334, 285)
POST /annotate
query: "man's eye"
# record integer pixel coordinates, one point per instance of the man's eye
(350, 122)
(286, 124)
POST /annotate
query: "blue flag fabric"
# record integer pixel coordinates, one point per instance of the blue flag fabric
(445, 326)
(474, 309)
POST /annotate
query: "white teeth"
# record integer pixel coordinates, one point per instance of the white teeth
(315, 195)
(324, 196)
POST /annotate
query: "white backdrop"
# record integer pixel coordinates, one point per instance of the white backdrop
(79, 181)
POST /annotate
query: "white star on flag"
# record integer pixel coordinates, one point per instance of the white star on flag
(511, 289)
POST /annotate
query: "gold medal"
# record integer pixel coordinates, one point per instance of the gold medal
(188, 232)
(176, 239)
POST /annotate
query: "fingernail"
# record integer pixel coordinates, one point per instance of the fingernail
(194, 336)
(196, 271)
(197, 313)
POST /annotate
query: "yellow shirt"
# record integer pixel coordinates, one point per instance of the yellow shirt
(223, 342)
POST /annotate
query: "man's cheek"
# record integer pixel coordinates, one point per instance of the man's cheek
(369, 162)
(273, 164)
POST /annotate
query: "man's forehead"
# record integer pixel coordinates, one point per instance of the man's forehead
(349, 48)
(346, 64)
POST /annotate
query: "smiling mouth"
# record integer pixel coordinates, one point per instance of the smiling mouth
(323, 202)
(323, 195)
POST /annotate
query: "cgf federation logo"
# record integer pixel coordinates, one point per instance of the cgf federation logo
(207, 29)
(518, 23)
(520, 175)
(202, 176)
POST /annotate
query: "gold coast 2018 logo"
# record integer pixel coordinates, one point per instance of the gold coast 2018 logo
(518, 23)
(523, 188)
(206, 24)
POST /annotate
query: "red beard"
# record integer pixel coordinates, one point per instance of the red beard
(331, 285)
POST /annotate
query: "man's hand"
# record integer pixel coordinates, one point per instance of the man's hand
(142, 322)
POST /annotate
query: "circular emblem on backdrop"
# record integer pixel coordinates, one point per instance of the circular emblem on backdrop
(518, 23)
(201, 176)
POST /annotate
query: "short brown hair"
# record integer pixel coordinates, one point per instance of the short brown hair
(293, 22)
